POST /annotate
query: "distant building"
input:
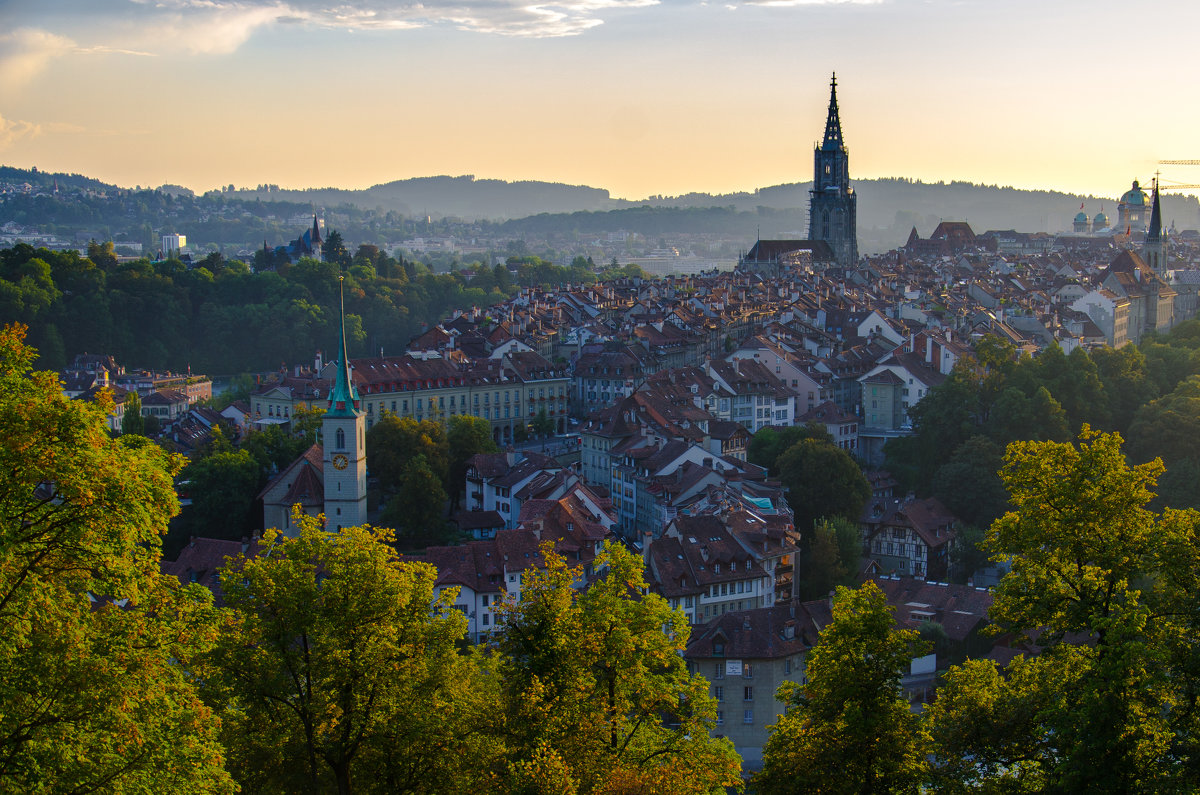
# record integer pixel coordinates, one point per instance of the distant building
(172, 245)
(1133, 211)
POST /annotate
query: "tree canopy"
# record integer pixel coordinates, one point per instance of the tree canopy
(94, 641)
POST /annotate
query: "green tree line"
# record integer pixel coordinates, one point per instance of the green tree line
(220, 317)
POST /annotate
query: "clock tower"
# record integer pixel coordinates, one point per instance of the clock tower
(343, 436)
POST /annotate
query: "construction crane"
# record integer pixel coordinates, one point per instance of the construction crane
(1179, 162)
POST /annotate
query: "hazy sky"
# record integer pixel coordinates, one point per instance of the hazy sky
(638, 96)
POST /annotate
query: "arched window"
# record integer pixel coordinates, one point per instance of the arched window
(341, 439)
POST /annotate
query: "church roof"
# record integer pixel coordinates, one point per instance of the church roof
(772, 250)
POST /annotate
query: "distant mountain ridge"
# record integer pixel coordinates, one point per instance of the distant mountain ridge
(888, 208)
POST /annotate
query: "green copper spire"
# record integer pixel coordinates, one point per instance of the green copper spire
(343, 400)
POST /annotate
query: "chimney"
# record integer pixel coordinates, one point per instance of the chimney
(647, 539)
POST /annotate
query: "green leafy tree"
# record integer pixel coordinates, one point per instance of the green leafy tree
(1088, 560)
(1167, 427)
(969, 483)
(466, 437)
(596, 694)
(339, 673)
(418, 509)
(333, 250)
(822, 482)
(132, 421)
(95, 642)
(824, 569)
(768, 444)
(542, 424)
(849, 729)
(224, 489)
(392, 442)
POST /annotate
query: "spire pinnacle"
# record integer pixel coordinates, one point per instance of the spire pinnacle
(833, 124)
(1154, 231)
(343, 399)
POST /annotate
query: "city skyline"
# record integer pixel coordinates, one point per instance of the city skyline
(640, 97)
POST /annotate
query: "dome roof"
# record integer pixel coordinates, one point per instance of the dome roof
(1081, 217)
(1100, 221)
(1135, 196)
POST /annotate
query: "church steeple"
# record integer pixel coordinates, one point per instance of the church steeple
(1154, 232)
(832, 207)
(343, 399)
(833, 123)
(1154, 250)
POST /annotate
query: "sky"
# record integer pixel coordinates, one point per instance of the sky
(641, 97)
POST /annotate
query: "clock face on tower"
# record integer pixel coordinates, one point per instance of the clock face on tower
(340, 461)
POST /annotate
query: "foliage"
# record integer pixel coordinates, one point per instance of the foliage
(822, 481)
(132, 421)
(595, 693)
(824, 567)
(466, 437)
(1088, 561)
(1168, 427)
(418, 509)
(767, 444)
(93, 639)
(338, 670)
(393, 442)
(849, 729)
(224, 488)
(542, 425)
(969, 484)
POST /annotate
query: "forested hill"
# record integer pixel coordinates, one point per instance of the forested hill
(889, 206)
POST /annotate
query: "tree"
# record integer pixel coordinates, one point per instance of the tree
(132, 421)
(542, 425)
(969, 483)
(224, 489)
(392, 442)
(822, 482)
(338, 671)
(768, 443)
(849, 729)
(418, 509)
(333, 250)
(824, 568)
(595, 690)
(1088, 560)
(466, 437)
(94, 641)
(1167, 427)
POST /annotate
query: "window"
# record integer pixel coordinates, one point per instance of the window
(748, 693)
(719, 693)
(748, 716)
(487, 618)
(720, 717)
(341, 439)
(747, 671)
(485, 600)
(787, 665)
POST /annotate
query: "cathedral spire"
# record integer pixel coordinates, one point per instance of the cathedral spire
(833, 124)
(1154, 231)
(343, 399)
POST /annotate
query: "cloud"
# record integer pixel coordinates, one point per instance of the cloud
(796, 3)
(25, 52)
(12, 131)
(220, 26)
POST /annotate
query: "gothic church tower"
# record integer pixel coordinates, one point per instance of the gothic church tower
(833, 205)
(343, 436)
